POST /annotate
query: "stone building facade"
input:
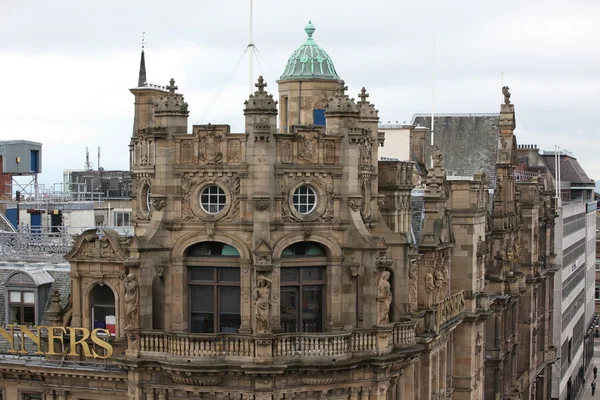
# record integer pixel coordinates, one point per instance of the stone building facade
(280, 263)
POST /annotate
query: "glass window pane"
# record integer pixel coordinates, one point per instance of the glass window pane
(312, 274)
(14, 315)
(203, 322)
(15, 297)
(202, 299)
(229, 315)
(28, 298)
(289, 275)
(229, 274)
(312, 308)
(202, 274)
(289, 309)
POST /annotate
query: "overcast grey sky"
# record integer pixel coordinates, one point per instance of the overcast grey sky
(67, 65)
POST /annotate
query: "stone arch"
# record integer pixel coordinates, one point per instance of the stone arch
(191, 238)
(329, 242)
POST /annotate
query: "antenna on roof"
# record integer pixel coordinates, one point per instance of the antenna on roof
(433, 97)
(98, 158)
(251, 45)
(88, 165)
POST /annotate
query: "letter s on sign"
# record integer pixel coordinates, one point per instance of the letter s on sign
(101, 343)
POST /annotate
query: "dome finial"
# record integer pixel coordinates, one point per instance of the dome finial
(309, 29)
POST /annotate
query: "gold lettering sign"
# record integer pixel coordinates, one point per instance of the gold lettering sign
(80, 341)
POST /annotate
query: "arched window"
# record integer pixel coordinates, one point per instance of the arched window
(103, 314)
(302, 287)
(214, 287)
(27, 294)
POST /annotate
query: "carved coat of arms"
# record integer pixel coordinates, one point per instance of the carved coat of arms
(210, 147)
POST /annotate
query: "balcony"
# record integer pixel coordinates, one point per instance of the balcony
(288, 347)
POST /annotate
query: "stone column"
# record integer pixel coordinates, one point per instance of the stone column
(177, 298)
(49, 395)
(275, 297)
(334, 275)
(76, 296)
(246, 286)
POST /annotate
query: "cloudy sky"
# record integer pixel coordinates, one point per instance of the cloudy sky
(67, 65)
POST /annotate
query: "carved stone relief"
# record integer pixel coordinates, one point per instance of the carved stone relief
(308, 150)
(234, 152)
(191, 210)
(366, 197)
(187, 152)
(329, 152)
(324, 190)
(286, 151)
(210, 147)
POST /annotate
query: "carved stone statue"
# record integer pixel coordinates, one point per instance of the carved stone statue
(437, 156)
(506, 93)
(131, 302)
(429, 288)
(413, 276)
(263, 304)
(384, 299)
(438, 281)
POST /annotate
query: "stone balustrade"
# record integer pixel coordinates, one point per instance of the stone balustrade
(339, 344)
(449, 308)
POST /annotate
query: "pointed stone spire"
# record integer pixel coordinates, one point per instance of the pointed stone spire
(142, 74)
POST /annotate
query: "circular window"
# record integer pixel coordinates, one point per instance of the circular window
(305, 199)
(148, 199)
(212, 199)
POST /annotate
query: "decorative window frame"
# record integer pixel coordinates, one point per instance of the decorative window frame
(321, 200)
(196, 206)
(144, 207)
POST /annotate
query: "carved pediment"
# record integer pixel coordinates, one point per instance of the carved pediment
(105, 245)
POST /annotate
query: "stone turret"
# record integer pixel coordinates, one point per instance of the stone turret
(306, 85)
(261, 113)
(172, 111)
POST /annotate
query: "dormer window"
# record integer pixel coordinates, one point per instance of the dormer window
(27, 292)
(21, 307)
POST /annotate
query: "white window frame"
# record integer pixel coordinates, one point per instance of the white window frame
(303, 199)
(215, 193)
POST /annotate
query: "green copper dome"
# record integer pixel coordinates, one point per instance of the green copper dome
(309, 61)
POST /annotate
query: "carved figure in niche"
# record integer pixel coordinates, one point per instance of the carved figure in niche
(413, 281)
(307, 150)
(429, 288)
(506, 93)
(210, 147)
(263, 304)
(286, 151)
(438, 281)
(131, 302)
(446, 268)
(384, 299)
(235, 153)
(366, 150)
(500, 260)
(437, 156)
(143, 146)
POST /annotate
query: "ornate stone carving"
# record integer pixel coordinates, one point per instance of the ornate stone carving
(384, 299)
(234, 152)
(187, 152)
(286, 151)
(261, 204)
(366, 197)
(506, 93)
(329, 152)
(131, 303)
(308, 149)
(354, 204)
(159, 203)
(365, 146)
(234, 188)
(262, 303)
(429, 287)
(210, 147)
(437, 156)
(413, 283)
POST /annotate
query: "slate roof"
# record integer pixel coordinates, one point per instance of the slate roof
(469, 142)
(570, 169)
(60, 273)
